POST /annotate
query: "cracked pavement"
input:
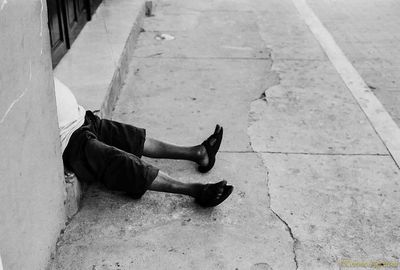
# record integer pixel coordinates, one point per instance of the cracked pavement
(314, 184)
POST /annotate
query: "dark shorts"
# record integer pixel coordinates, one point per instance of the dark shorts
(109, 152)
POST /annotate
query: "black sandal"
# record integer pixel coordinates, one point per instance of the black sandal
(212, 149)
(207, 197)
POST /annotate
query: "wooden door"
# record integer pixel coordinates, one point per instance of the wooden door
(76, 17)
(66, 20)
(58, 39)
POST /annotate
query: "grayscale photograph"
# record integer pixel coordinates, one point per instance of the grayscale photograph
(199, 134)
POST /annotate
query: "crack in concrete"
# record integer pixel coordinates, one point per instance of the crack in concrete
(289, 229)
(271, 79)
(295, 241)
(263, 97)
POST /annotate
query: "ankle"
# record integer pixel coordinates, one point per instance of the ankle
(201, 152)
(202, 156)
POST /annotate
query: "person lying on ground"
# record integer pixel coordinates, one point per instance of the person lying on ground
(109, 152)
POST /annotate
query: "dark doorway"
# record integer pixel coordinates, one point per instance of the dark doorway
(76, 17)
(58, 39)
(66, 20)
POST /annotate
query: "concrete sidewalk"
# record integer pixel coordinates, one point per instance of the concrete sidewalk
(314, 184)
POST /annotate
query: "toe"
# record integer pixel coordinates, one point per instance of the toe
(218, 129)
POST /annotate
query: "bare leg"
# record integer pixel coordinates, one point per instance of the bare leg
(157, 149)
(203, 155)
(165, 183)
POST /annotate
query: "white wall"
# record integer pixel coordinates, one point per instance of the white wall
(31, 174)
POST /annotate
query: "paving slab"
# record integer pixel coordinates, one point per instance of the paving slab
(291, 39)
(164, 231)
(171, 97)
(369, 37)
(207, 34)
(310, 110)
(338, 207)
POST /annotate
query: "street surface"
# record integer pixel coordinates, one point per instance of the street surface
(315, 186)
(369, 34)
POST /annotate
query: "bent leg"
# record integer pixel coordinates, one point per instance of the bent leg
(119, 170)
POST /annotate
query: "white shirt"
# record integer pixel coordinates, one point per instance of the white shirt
(71, 115)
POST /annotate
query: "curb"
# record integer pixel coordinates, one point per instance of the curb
(114, 89)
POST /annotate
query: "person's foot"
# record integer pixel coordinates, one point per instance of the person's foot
(213, 194)
(209, 149)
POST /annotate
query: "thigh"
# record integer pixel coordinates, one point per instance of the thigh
(122, 136)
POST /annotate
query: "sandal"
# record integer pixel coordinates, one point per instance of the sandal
(208, 198)
(212, 149)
